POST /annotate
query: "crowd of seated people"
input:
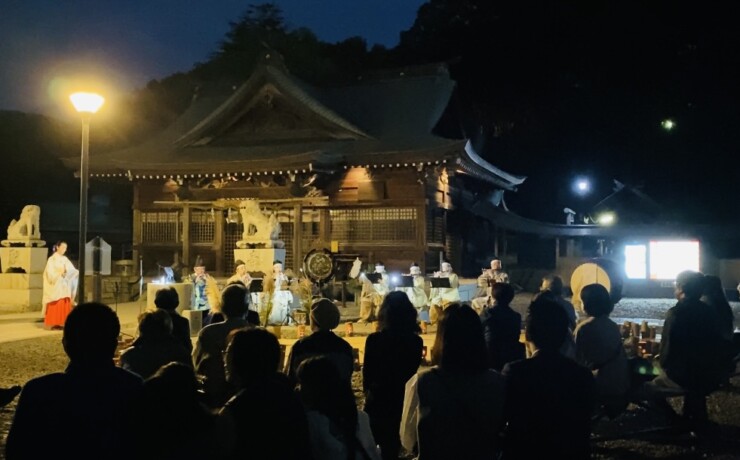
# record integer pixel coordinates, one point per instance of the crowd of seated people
(479, 397)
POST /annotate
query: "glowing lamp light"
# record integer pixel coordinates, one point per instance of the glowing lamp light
(668, 124)
(86, 105)
(607, 218)
(87, 102)
(582, 186)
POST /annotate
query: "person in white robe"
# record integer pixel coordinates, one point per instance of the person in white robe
(59, 287)
(443, 296)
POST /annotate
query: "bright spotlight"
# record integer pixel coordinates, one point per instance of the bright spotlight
(606, 218)
(582, 186)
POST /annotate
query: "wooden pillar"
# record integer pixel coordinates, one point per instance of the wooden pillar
(136, 243)
(297, 236)
(421, 235)
(185, 218)
(325, 225)
(505, 247)
(495, 240)
(218, 241)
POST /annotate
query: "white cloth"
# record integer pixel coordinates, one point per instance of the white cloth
(60, 280)
(375, 292)
(417, 294)
(444, 296)
(326, 446)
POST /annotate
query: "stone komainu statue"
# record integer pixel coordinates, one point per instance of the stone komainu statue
(27, 226)
(259, 228)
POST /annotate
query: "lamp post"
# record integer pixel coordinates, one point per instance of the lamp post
(86, 105)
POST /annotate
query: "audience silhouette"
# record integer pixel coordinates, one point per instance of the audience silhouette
(168, 300)
(265, 419)
(322, 341)
(599, 347)
(392, 357)
(549, 397)
(170, 409)
(455, 409)
(337, 427)
(155, 346)
(502, 328)
(693, 354)
(211, 344)
(85, 411)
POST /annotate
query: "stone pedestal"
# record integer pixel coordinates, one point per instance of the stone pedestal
(22, 292)
(259, 259)
(184, 292)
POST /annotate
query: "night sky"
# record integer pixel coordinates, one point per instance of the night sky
(129, 42)
(559, 90)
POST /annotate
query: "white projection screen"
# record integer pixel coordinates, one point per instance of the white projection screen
(669, 258)
(662, 260)
(635, 261)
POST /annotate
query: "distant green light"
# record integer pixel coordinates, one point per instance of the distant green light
(668, 124)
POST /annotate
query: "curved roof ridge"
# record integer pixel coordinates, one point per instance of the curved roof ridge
(477, 159)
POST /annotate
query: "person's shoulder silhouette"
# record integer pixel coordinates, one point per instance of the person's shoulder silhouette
(84, 411)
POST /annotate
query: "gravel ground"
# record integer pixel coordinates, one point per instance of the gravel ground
(626, 437)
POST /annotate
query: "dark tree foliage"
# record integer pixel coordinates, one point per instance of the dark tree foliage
(260, 29)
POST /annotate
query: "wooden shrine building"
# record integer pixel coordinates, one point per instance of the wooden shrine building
(356, 165)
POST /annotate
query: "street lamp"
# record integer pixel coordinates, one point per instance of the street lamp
(86, 105)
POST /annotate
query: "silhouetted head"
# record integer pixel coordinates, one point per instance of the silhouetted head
(689, 285)
(91, 334)
(596, 300)
(234, 300)
(547, 324)
(322, 389)
(552, 283)
(502, 293)
(324, 314)
(459, 345)
(175, 380)
(397, 314)
(320, 382)
(713, 288)
(155, 324)
(252, 354)
(167, 299)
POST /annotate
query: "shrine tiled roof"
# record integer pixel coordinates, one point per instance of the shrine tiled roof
(276, 122)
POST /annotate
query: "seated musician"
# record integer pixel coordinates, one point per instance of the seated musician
(488, 276)
(417, 294)
(443, 296)
(372, 294)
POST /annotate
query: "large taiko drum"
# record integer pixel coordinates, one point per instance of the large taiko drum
(598, 271)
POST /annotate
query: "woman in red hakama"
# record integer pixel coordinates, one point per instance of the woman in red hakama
(60, 287)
